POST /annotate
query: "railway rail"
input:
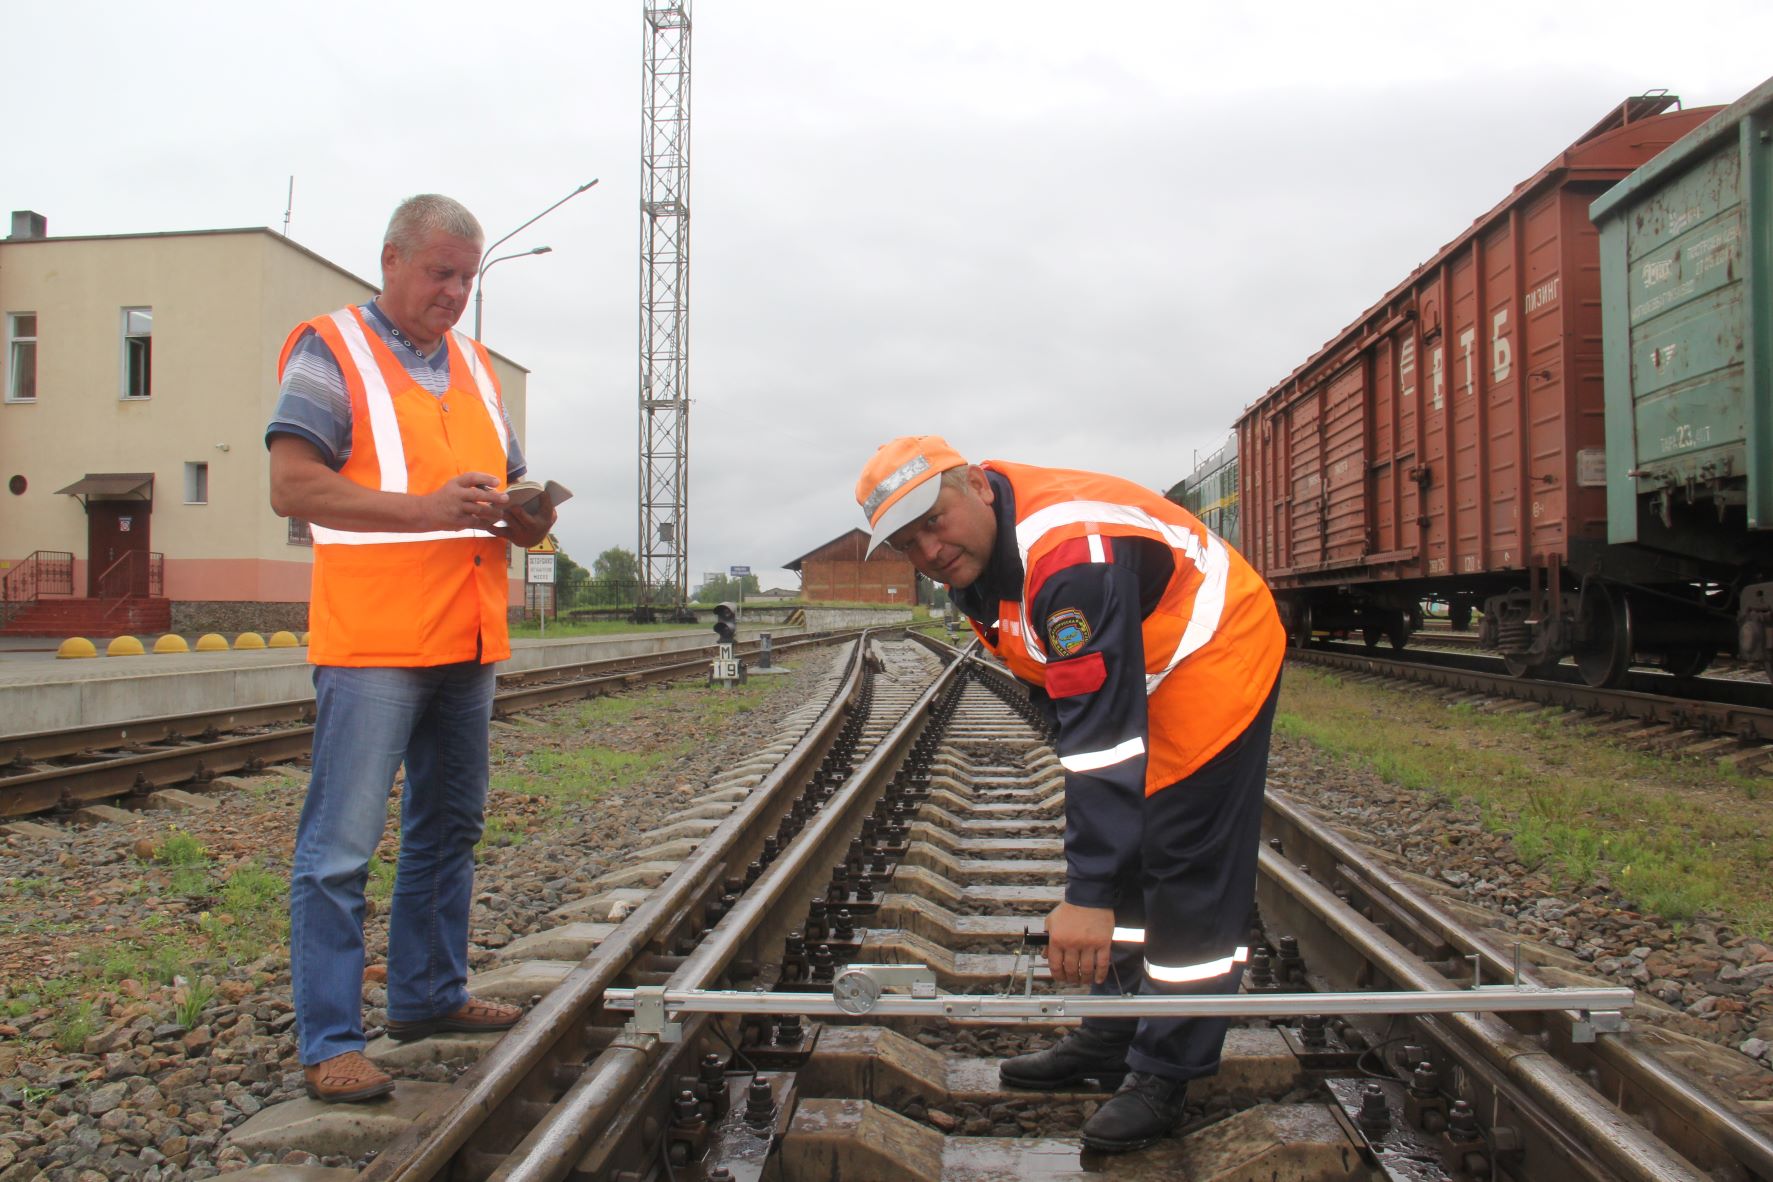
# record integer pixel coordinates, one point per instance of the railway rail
(62, 770)
(748, 1017)
(1723, 716)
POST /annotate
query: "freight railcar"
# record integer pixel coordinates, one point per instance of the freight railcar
(1453, 443)
(1210, 492)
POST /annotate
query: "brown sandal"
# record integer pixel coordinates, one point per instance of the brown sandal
(347, 1077)
(474, 1016)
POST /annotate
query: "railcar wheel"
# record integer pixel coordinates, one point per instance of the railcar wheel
(1687, 662)
(1302, 621)
(1395, 629)
(1603, 654)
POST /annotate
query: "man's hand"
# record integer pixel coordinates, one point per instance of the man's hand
(526, 525)
(470, 501)
(1078, 943)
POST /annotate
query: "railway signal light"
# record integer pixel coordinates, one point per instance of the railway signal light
(727, 667)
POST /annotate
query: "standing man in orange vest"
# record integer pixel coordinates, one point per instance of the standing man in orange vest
(390, 438)
(1157, 650)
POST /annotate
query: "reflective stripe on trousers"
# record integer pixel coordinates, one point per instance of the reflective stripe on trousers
(1205, 970)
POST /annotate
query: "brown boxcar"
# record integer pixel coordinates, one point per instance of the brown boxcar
(1449, 444)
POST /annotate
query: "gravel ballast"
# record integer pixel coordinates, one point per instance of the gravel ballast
(135, 1093)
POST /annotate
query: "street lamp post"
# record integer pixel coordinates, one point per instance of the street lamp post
(480, 286)
(486, 254)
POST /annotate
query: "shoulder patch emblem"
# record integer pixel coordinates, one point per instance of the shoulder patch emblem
(1067, 631)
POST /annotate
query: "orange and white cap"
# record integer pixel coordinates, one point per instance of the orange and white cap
(898, 484)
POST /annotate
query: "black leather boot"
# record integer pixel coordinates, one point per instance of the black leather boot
(1082, 1054)
(1143, 1110)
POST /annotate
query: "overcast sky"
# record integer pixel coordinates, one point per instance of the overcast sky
(1074, 234)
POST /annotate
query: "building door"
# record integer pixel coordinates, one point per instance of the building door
(113, 529)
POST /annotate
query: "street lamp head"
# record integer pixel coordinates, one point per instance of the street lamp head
(486, 256)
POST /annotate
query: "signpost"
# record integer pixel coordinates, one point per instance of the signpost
(539, 569)
(739, 573)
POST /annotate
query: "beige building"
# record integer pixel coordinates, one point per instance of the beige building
(137, 373)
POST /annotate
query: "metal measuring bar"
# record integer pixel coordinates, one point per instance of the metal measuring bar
(861, 989)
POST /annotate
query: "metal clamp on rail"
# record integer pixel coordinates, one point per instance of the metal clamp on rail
(649, 1014)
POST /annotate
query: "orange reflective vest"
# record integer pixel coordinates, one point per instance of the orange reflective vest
(1213, 643)
(409, 599)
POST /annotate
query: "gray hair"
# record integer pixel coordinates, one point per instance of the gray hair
(417, 218)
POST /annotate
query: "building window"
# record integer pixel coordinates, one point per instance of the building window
(299, 533)
(21, 357)
(196, 484)
(138, 347)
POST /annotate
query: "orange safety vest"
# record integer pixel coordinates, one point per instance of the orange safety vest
(1213, 643)
(409, 599)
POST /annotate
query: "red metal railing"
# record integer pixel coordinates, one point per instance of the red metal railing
(136, 573)
(43, 572)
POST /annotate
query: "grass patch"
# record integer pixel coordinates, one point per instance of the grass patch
(1678, 838)
(75, 1025)
(180, 849)
(577, 775)
(586, 768)
(253, 890)
(500, 830)
(188, 1006)
(191, 882)
(381, 879)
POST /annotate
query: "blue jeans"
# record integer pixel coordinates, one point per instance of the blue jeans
(367, 722)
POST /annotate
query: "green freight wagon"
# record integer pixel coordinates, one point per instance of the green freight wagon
(1687, 311)
(1687, 317)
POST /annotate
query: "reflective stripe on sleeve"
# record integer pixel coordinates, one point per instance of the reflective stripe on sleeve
(1205, 971)
(1090, 761)
(1128, 936)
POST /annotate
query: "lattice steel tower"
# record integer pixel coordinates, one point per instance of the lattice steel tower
(664, 309)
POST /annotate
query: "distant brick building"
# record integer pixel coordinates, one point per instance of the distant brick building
(839, 571)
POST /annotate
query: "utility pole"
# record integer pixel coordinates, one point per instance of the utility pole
(664, 310)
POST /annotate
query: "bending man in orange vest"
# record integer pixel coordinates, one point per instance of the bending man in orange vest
(390, 438)
(1157, 650)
